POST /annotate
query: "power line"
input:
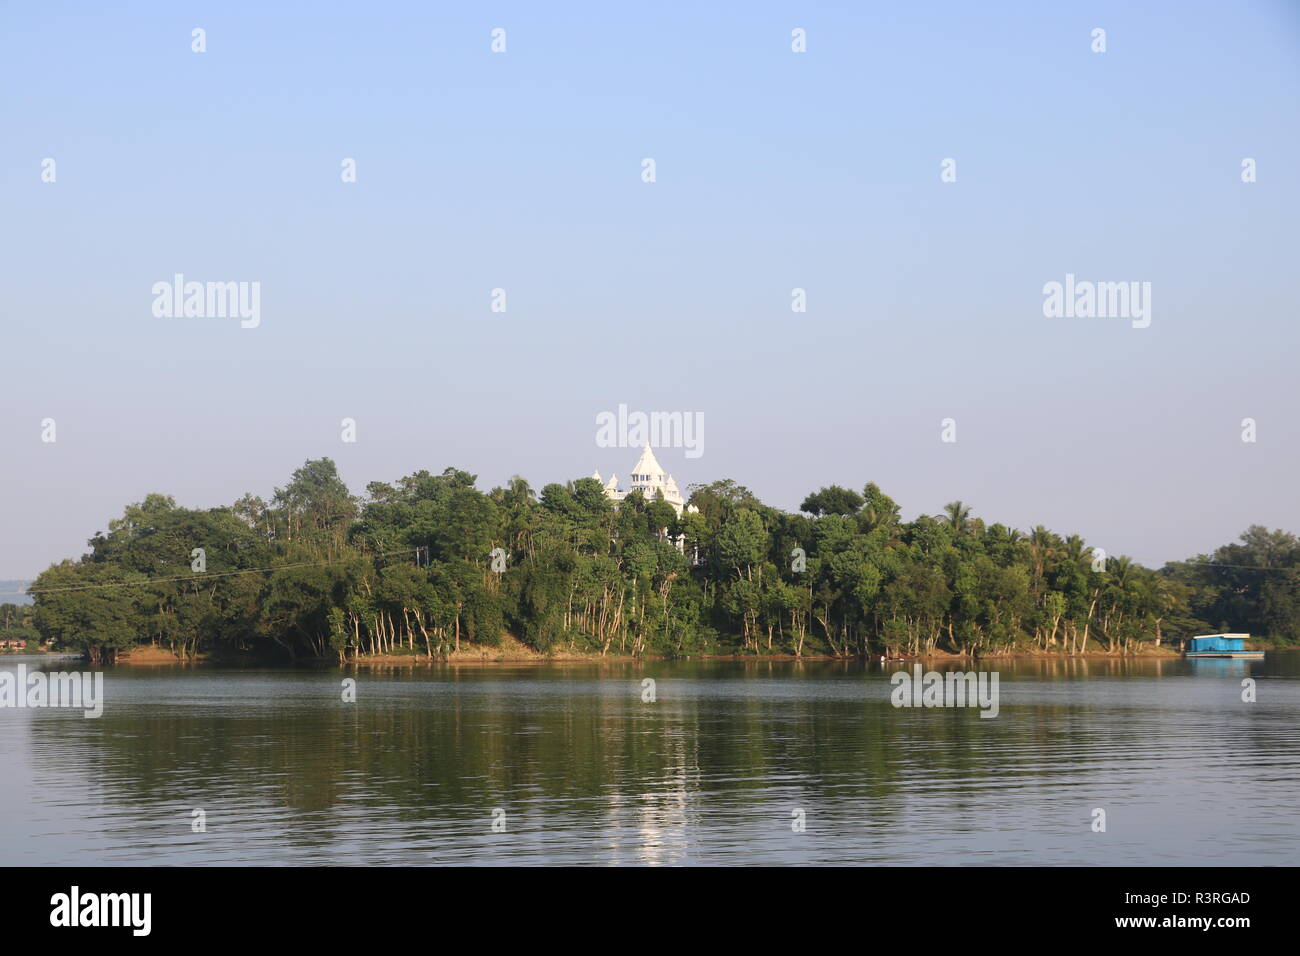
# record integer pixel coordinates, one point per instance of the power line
(1243, 567)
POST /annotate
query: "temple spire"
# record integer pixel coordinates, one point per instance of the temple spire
(647, 467)
(649, 478)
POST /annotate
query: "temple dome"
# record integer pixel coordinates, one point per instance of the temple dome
(649, 478)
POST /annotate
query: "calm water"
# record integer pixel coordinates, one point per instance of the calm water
(585, 772)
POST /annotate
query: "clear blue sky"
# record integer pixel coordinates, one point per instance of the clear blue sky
(775, 170)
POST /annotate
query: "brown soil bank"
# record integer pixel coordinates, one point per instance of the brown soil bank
(512, 651)
(150, 654)
(1140, 651)
(509, 651)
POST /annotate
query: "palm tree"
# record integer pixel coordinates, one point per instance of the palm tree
(519, 501)
(880, 511)
(1077, 551)
(1121, 567)
(1041, 548)
(958, 516)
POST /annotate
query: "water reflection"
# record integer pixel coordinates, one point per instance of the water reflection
(1222, 667)
(711, 772)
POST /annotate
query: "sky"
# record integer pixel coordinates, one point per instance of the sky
(774, 170)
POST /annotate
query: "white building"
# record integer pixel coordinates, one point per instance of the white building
(649, 478)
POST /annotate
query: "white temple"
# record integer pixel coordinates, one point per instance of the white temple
(649, 478)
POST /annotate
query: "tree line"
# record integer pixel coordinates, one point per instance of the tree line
(17, 623)
(430, 565)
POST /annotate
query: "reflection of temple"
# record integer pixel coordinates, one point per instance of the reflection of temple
(649, 478)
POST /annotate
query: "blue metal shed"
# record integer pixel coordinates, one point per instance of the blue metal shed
(1221, 645)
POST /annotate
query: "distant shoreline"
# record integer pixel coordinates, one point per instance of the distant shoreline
(515, 653)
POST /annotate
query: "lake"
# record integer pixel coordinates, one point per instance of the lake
(732, 763)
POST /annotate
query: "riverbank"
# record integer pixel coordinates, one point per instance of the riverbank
(512, 651)
(523, 655)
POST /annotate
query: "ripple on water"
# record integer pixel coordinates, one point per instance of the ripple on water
(715, 771)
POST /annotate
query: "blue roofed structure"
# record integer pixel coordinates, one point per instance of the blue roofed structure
(1221, 645)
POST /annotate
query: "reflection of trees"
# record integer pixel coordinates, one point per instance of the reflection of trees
(424, 751)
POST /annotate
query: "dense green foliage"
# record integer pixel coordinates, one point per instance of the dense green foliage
(17, 623)
(430, 564)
